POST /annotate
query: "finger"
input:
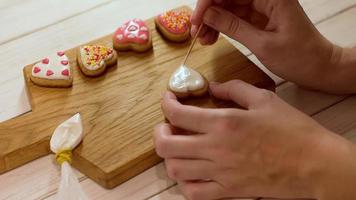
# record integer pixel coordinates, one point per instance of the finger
(192, 118)
(235, 27)
(169, 145)
(258, 20)
(210, 37)
(242, 2)
(194, 30)
(240, 11)
(202, 190)
(189, 170)
(199, 11)
(242, 93)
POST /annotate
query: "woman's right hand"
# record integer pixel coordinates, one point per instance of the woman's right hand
(278, 32)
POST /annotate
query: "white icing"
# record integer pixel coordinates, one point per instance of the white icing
(67, 135)
(54, 65)
(120, 36)
(131, 36)
(143, 36)
(185, 79)
(143, 28)
(133, 29)
(91, 67)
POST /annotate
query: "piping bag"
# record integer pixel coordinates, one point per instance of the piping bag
(65, 138)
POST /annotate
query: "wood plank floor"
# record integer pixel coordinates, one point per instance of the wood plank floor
(30, 27)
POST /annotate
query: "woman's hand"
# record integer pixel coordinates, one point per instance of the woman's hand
(282, 37)
(268, 149)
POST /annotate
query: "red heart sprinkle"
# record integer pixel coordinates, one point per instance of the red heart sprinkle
(45, 61)
(65, 72)
(49, 72)
(60, 53)
(36, 70)
(64, 62)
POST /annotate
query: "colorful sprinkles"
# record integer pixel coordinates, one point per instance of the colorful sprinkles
(96, 54)
(176, 20)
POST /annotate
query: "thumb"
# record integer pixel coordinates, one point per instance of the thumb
(242, 93)
(231, 25)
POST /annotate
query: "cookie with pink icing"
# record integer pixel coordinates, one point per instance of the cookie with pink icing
(133, 35)
(174, 25)
(52, 71)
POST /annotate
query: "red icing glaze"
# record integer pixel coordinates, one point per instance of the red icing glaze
(176, 22)
(49, 72)
(65, 72)
(45, 61)
(133, 31)
(64, 62)
(36, 70)
(60, 53)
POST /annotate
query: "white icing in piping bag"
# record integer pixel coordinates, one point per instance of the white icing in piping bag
(64, 139)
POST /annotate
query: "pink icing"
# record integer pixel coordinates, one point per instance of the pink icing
(64, 62)
(65, 72)
(36, 70)
(45, 61)
(49, 72)
(133, 31)
(176, 22)
(60, 53)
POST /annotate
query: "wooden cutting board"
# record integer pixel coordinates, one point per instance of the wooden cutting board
(119, 109)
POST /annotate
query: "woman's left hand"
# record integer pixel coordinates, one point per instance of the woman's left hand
(268, 149)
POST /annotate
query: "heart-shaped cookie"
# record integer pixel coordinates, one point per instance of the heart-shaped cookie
(52, 71)
(174, 25)
(93, 59)
(186, 82)
(133, 35)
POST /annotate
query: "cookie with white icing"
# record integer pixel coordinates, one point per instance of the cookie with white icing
(94, 59)
(185, 82)
(174, 25)
(52, 71)
(133, 35)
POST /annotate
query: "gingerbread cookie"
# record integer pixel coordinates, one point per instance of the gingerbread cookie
(133, 35)
(186, 82)
(93, 59)
(53, 71)
(174, 25)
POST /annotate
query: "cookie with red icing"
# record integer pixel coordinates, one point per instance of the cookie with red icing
(52, 71)
(94, 59)
(133, 35)
(174, 25)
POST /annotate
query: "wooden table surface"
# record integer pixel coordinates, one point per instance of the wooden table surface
(30, 29)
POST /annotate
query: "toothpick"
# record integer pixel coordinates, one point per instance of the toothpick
(192, 44)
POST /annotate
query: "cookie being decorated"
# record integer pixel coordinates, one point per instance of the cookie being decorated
(52, 71)
(174, 25)
(133, 35)
(186, 82)
(94, 59)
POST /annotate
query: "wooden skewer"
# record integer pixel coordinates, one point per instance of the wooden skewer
(192, 45)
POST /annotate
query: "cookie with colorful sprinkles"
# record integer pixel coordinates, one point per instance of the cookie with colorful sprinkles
(174, 25)
(133, 35)
(93, 59)
(52, 71)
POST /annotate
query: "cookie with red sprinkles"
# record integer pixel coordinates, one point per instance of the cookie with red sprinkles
(53, 71)
(94, 59)
(174, 25)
